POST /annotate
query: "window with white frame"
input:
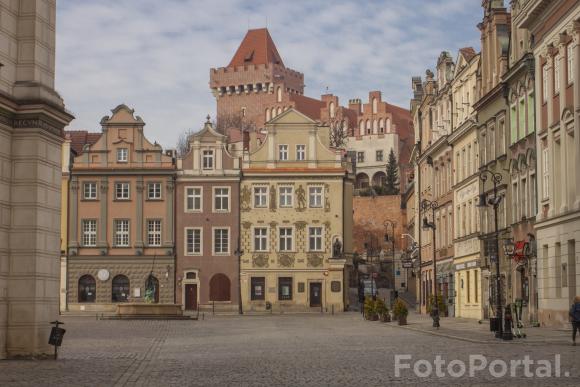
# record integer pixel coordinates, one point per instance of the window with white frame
(89, 232)
(545, 173)
(122, 155)
(192, 241)
(260, 197)
(283, 152)
(285, 196)
(524, 198)
(533, 199)
(285, 239)
(513, 124)
(221, 199)
(501, 135)
(315, 197)
(221, 240)
(154, 191)
(360, 157)
(154, 232)
(531, 110)
(545, 83)
(207, 159)
(491, 138)
(193, 198)
(379, 155)
(121, 236)
(300, 152)
(515, 217)
(90, 191)
(570, 62)
(315, 238)
(122, 191)
(557, 74)
(260, 239)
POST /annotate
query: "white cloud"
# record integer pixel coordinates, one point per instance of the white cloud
(155, 56)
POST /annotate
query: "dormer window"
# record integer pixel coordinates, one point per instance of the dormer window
(207, 161)
(122, 155)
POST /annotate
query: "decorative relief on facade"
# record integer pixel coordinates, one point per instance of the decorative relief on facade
(326, 198)
(260, 260)
(246, 225)
(314, 260)
(286, 260)
(272, 198)
(245, 198)
(300, 198)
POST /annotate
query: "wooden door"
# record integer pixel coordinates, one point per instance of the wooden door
(191, 297)
(315, 294)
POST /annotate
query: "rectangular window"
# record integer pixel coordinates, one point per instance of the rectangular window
(207, 159)
(154, 232)
(285, 239)
(193, 198)
(491, 139)
(544, 83)
(531, 119)
(522, 119)
(90, 191)
(221, 199)
(524, 199)
(89, 232)
(122, 155)
(283, 152)
(545, 174)
(379, 155)
(570, 62)
(285, 198)
(475, 286)
(315, 197)
(300, 152)
(193, 241)
(515, 217)
(260, 239)
(315, 238)
(260, 197)
(284, 288)
(360, 157)
(468, 286)
(221, 241)
(258, 288)
(533, 199)
(513, 125)
(154, 191)
(501, 135)
(557, 74)
(121, 236)
(122, 191)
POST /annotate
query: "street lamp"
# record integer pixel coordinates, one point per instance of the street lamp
(389, 223)
(238, 253)
(426, 205)
(371, 250)
(494, 201)
(410, 251)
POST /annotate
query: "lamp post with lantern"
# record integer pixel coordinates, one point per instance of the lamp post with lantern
(425, 206)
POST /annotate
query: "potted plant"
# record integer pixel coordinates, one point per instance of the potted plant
(370, 310)
(400, 311)
(382, 310)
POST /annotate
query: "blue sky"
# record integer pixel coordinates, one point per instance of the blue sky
(155, 55)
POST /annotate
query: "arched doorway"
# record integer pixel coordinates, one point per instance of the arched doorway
(362, 180)
(152, 283)
(379, 178)
(87, 289)
(219, 288)
(121, 289)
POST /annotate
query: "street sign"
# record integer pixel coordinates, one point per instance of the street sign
(56, 335)
(407, 264)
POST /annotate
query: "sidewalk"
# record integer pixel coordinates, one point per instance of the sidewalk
(472, 331)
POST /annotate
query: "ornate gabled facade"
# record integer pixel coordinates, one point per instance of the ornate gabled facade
(555, 27)
(207, 217)
(32, 119)
(492, 118)
(121, 208)
(296, 219)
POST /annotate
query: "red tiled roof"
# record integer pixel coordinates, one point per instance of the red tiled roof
(80, 138)
(256, 48)
(468, 53)
(308, 106)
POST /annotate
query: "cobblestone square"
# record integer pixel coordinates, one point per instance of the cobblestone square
(310, 349)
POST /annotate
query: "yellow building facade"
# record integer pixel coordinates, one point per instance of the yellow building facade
(296, 219)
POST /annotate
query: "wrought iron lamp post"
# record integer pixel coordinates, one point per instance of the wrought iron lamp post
(371, 250)
(425, 206)
(494, 201)
(389, 223)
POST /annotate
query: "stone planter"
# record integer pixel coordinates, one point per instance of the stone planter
(402, 320)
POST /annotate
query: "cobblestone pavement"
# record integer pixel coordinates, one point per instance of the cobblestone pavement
(315, 350)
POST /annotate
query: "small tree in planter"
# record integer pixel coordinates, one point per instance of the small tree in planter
(400, 311)
(370, 309)
(440, 304)
(382, 310)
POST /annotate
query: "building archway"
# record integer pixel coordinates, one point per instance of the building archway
(87, 289)
(379, 178)
(121, 289)
(219, 288)
(362, 180)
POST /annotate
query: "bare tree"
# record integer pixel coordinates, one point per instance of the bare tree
(182, 146)
(338, 132)
(233, 120)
